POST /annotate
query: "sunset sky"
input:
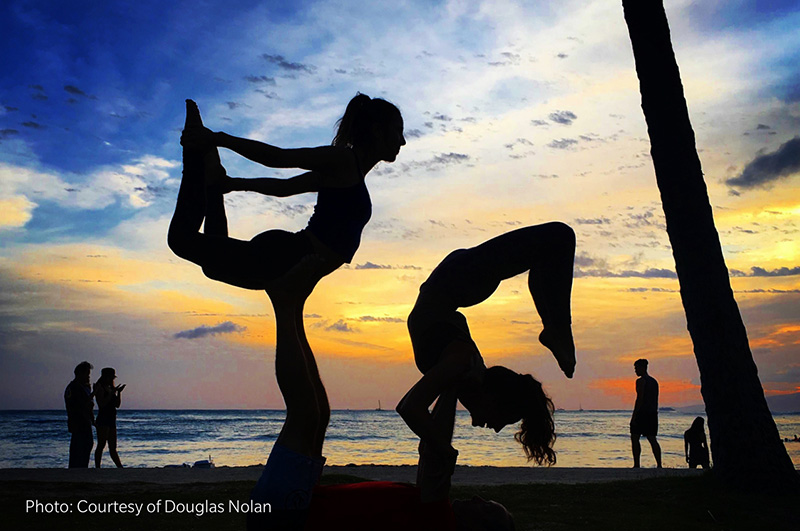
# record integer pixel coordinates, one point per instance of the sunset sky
(516, 113)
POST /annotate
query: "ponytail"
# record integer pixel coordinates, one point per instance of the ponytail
(355, 126)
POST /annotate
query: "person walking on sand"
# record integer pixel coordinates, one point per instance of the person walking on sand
(109, 398)
(80, 416)
(452, 365)
(644, 420)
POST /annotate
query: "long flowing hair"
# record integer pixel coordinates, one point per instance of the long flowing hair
(524, 395)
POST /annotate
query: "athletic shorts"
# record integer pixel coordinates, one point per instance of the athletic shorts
(286, 484)
(645, 424)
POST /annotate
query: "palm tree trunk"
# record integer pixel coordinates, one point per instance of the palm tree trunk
(745, 443)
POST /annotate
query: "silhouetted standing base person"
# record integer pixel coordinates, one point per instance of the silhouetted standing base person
(644, 420)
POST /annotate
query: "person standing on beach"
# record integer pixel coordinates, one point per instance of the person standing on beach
(695, 445)
(644, 420)
(80, 416)
(108, 400)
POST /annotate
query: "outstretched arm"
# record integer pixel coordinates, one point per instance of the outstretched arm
(299, 184)
(328, 160)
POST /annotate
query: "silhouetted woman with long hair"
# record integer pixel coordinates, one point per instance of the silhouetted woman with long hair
(370, 131)
(450, 361)
(109, 398)
(694, 444)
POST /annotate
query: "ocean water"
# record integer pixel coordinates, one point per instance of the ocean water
(155, 438)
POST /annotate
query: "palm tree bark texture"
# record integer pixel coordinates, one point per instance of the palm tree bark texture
(745, 443)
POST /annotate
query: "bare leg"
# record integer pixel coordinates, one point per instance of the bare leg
(222, 258)
(550, 284)
(637, 450)
(307, 409)
(656, 449)
(320, 394)
(190, 208)
(102, 436)
(112, 446)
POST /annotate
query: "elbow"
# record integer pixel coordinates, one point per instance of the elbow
(404, 411)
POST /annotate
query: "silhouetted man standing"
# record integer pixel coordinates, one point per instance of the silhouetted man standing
(644, 420)
(80, 416)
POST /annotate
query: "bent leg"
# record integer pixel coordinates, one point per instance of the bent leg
(190, 208)
(547, 251)
(550, 285)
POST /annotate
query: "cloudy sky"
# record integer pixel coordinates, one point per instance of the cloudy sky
(516, 113)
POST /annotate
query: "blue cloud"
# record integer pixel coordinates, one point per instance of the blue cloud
(202, 331)
(767, 168)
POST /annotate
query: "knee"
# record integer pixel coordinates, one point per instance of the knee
(176, 242)
(562, 233)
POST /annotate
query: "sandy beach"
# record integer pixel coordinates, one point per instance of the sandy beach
(541, 499)
(465, 475)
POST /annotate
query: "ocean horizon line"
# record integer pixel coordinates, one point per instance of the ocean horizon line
(664, 409)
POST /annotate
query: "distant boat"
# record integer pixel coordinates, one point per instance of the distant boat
(379, 408)
(205, 463)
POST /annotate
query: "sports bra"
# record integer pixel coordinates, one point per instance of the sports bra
(340, 216)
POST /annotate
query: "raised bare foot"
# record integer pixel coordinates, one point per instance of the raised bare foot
(192, 115)
(562, 346)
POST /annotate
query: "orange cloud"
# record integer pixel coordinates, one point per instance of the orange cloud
(670, 391)
(782, 335)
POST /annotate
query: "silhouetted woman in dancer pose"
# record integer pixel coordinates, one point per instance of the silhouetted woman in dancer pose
(450, 361)
(370, 131)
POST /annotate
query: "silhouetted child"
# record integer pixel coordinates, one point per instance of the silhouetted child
(695, 446)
